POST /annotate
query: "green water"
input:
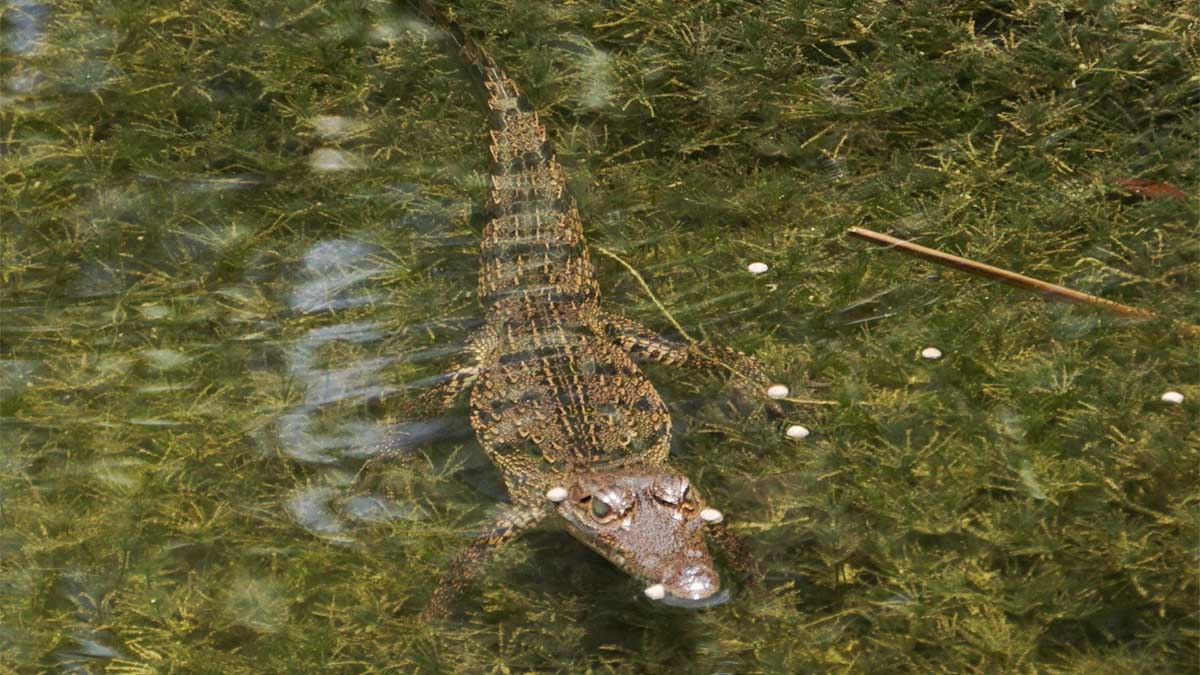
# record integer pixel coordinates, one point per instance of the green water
(236, 234)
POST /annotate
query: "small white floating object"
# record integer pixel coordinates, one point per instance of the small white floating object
(757, 268)
(656, 592)
(777, 390)
(797, 432)
(1172, 397)
(931, 353)
(556, 494)
(711, 515)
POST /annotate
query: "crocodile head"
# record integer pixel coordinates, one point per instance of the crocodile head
(648, 520)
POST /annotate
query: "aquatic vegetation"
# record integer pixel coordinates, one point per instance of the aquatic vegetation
(234, 234)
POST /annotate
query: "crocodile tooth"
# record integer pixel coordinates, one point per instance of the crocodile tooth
(656, 592)
(711, 516)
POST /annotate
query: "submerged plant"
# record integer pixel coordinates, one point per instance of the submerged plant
(234, 235)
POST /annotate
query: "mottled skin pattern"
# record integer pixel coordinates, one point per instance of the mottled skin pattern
(556, 398)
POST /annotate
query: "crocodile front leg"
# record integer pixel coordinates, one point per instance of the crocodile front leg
(737, 554)
(478, 355)
(467, 564)
(748, 374)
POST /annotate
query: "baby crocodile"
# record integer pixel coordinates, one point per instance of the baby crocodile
(575, 428)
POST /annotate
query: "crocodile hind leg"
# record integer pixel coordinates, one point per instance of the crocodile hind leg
(468, 563)
(747, 373)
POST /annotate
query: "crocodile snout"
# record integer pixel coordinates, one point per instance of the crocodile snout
(694, 582)
(690, 587)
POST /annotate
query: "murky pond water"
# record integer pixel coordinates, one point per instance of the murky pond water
(236, 239)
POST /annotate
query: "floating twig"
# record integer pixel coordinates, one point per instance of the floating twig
(1012, 278)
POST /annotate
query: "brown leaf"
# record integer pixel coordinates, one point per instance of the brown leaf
(1150, 189)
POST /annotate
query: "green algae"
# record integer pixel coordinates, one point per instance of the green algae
(234, 233)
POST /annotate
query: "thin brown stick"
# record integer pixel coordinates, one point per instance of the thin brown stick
(1012, 278)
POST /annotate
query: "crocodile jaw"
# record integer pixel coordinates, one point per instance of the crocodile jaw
(645, 519)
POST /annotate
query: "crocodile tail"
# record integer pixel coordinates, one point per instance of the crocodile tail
(504, 98)
(533, 241)
(518, 138)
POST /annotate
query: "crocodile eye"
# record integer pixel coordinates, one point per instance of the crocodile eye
(670, 491)
(600, 509)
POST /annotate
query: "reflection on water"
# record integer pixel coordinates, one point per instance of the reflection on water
(333, 278)
(328, 513)
(374, 509)
(311, 510)
(333, 272)
(24, 23)
(325, 386)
